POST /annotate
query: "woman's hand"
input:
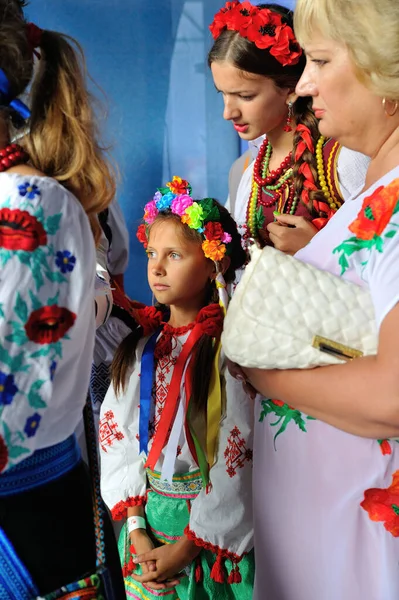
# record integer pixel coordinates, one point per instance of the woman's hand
(290, 233)
(169, 561)
(142, 544)
(237, 372)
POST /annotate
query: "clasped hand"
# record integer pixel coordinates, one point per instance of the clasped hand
(162, 566)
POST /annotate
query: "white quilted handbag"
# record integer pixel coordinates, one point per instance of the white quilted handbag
(286, 314)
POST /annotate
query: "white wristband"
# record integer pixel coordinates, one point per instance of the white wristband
(134, 523)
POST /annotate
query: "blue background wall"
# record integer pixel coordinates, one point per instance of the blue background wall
(164, 116)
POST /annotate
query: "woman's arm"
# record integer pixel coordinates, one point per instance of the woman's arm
(360, 397)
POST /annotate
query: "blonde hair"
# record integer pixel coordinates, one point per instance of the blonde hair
(63, 141)
(368, 28)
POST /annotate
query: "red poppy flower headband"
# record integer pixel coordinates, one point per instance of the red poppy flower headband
(262, 26)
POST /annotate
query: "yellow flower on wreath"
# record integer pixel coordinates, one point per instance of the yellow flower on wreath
(214, 249)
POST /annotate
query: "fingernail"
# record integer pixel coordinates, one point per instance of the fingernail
(136, 561)
(240, 377)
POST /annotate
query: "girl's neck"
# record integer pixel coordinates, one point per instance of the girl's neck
(282, 143)
(182, 316)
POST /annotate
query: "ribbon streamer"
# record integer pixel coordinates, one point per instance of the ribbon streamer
(7, 100)
(146, 385)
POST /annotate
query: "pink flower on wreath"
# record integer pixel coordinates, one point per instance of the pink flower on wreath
(150, 212)
(226, 238)
(180, 204)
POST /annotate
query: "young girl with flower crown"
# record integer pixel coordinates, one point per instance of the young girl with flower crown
(175, 429)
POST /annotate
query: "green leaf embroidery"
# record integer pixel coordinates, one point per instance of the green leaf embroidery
(55, 276)
(53, 300)
(37, 274)
(39, 214)
(5, 256)
(21, 308)
(34, 398)
(24, 257)
(7, 434)
(391, 234)
(285, 414)
(42, 352)
(5, 357)
(18, 336)
(16, 451)
(52, 224)
(2, 315)
(18, 363)
(36, 304)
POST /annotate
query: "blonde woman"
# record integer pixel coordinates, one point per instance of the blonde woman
(326, 444)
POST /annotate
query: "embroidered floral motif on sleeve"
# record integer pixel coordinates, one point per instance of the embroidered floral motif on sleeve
(25, 233)
(382, 504)
(285, 414)
(236, 453)
(33, 328)
(373, 226)
(109, 431)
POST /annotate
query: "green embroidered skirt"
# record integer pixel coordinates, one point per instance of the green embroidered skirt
(167, 514)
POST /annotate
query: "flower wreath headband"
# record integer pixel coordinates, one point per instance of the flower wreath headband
(201, 215)
(262, 26)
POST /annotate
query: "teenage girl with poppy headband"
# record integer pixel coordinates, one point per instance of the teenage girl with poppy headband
(175, 428)
(51, 189)
(298, 178)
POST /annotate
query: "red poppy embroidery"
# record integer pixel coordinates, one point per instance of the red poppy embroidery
(376, 212)
(109, 430)
(236, 453)
(371, 226)
(385, 447)
(3, 454)
(19, 230)
(48, 324)
(383, 505)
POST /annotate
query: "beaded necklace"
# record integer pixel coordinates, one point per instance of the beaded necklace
(274, 184)
(325, 178)
(12, 155)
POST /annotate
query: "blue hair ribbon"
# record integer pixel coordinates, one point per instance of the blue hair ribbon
(6, 100)
(146, 385)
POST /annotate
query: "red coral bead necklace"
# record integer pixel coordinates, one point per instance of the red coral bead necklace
(12, 155)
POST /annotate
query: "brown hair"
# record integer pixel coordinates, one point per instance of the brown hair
(204, 350)
(63, 137)
(245, 55)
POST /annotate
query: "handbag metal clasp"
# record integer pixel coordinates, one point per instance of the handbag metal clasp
(335, 348)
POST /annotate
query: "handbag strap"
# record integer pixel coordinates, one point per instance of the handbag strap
(98, 506)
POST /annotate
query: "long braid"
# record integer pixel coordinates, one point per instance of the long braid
(305, 179)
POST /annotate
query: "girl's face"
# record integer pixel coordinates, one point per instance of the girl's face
(178, 272)
(253, 103)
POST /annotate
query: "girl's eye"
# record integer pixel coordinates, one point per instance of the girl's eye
(247, 98)
(319, 62)
(150, 254)
(174, 255)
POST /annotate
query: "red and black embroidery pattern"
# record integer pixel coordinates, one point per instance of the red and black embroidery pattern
(109, 431)
(236, 453)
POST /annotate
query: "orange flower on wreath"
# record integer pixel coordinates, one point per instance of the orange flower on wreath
(383, 505)
(178, 185)
(214, 249)
(376, 211)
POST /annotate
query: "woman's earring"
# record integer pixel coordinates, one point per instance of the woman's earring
(287, 126)
(395, 107)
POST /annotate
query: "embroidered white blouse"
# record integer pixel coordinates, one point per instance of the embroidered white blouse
(47, 260)
(223, 516)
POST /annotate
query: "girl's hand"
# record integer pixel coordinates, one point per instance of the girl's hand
(290, 233)
(143, 544)
(170, 560)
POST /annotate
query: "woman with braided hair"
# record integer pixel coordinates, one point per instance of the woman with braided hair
(298, 179)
